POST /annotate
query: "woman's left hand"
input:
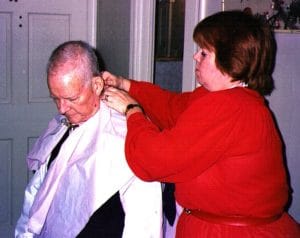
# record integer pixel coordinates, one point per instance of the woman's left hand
(117, 99)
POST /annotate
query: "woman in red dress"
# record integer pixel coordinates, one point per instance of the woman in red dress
(218, 144)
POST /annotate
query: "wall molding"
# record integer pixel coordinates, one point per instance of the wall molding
(142, 33)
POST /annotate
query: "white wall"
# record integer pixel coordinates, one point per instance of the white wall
(285, 103)
(113, 34)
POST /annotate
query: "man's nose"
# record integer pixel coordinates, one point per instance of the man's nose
(63, 106)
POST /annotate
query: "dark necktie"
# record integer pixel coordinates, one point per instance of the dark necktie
(56, 149)
(169, 204)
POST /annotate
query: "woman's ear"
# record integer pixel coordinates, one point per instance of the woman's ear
(98, 85)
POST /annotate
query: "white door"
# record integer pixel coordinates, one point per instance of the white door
(29, 31)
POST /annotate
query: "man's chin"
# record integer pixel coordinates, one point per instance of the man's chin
(73, 120)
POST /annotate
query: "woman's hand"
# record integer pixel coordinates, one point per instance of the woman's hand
(115, 81)
(119, 100)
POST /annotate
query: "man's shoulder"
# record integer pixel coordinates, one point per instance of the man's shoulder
(117, 123)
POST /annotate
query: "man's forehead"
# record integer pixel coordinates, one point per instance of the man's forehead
(65, 77)
(68, 82)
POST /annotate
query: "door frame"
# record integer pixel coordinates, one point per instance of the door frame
(92, 22)
(141, 59)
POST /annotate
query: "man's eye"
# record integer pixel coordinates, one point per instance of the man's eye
(72, 99)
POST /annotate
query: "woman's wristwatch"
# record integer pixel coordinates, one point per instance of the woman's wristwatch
(132, 105)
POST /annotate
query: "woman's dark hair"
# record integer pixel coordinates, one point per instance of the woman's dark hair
(244, 45)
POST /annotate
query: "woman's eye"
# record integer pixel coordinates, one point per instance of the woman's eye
(203, 54)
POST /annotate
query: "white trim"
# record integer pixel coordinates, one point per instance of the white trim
(142, 36)
(195, 10)
(92, 22)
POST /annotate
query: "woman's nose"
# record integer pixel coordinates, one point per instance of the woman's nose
(196, 56)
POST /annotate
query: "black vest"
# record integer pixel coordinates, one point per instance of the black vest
(107, 221)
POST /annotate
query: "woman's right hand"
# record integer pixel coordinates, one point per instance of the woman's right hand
(115, 81)
(119, 100)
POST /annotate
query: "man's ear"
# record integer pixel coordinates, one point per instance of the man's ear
(98, 85)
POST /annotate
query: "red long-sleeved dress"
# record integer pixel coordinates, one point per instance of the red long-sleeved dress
(223, 152)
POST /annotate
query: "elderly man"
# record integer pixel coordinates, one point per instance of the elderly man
(85, 188)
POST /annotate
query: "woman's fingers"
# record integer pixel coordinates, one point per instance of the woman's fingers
(117, 99)
(110, 79)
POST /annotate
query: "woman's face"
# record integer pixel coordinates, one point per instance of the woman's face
(207, 73)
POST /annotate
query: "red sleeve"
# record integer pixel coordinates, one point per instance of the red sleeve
(196, 141)
(161, 106)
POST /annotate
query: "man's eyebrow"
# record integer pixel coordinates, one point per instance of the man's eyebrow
(70, 97)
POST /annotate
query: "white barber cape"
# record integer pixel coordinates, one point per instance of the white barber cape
(89, 169)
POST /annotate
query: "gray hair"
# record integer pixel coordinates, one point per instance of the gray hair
(79, 56)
